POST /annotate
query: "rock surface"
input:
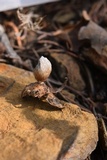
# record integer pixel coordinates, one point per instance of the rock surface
(33, 130)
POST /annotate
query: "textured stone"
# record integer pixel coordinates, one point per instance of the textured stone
(33, 130)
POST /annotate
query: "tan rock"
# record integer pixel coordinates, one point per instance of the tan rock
(33, 130)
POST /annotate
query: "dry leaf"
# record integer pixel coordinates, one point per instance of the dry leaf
(72, 66)
(97, 36)
(64, 16)
(27, 21)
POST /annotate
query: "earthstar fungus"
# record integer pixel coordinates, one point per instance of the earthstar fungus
(39, 89)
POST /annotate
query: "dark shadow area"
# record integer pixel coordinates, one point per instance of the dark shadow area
(98, 153)
(67, 143)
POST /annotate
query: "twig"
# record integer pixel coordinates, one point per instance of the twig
(16, 30)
